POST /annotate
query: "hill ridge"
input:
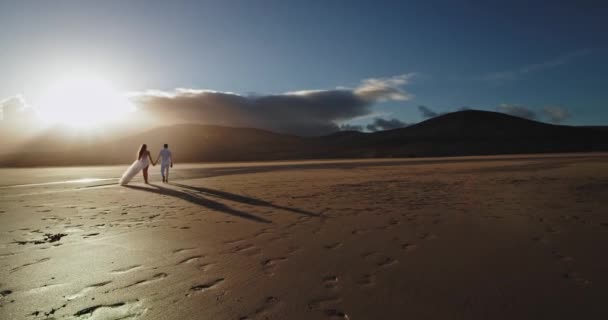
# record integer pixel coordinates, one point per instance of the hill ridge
(461, 133)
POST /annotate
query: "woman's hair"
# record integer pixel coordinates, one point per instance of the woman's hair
(141, 151)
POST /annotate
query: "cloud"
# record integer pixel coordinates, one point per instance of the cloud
(15, 109)
(556, 114)
(350, 127)
(517, 111)
(535, 67)
(383, 89)
(426, 112)
(384, 124)
(305, 112)
(551, 114)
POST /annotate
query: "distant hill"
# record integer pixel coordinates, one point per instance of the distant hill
(460, 133)
(474, 132)
(189, 143)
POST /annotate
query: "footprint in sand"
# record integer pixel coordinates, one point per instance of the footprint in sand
(234, 241)
(190, 259)
(119, 310)
(427, 236)
(270, 264)
(263, 232)
(386, 262)
(5, 293)
(367, 280)
(86, 236)
(29, 264)
(226, 221)
(369, 254)
(126, 269)
(327, 305)
(390, 224)
(379, 259)
(292, 249)
(336, 314)
(5, 255)
(360, 231)
(45, 287)
(332, 246)
(330, 282)
(86, 289)
(561, 257)
(322, 303)
(266, 307)
(205, 266)
(180, 250)
(577, 278)
(409, 247)
(155, 278)
(205, 286)
(247, 249)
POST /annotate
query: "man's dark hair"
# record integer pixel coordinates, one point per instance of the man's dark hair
(166, 145)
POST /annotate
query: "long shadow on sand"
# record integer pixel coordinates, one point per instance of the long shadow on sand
(243, 199)
(198, 201)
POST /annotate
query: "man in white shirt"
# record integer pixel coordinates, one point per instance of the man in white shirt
(166, 161)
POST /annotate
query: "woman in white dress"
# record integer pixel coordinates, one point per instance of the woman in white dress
(141, 164)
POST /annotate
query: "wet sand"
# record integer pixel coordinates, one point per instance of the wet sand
(520, 237)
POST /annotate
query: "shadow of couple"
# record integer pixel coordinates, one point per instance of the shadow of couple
(200, 196)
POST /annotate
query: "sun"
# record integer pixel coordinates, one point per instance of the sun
(83, 101)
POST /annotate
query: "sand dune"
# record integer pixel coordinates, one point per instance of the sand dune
(485, 238)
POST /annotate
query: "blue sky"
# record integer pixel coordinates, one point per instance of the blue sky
(479, 54)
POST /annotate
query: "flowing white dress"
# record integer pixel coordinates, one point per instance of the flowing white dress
(134, 169)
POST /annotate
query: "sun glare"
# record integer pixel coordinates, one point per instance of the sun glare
(83, 102)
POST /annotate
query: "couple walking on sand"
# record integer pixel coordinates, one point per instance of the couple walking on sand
(143, 162)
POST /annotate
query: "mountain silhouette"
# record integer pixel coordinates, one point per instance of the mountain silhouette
(469, 132)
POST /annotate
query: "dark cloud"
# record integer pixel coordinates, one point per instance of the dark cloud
(351, 127)
(383, 124)
(310, 112)
(517, 111)
(556, 114)
(426, 112)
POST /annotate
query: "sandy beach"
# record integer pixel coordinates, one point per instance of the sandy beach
(519, 237)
